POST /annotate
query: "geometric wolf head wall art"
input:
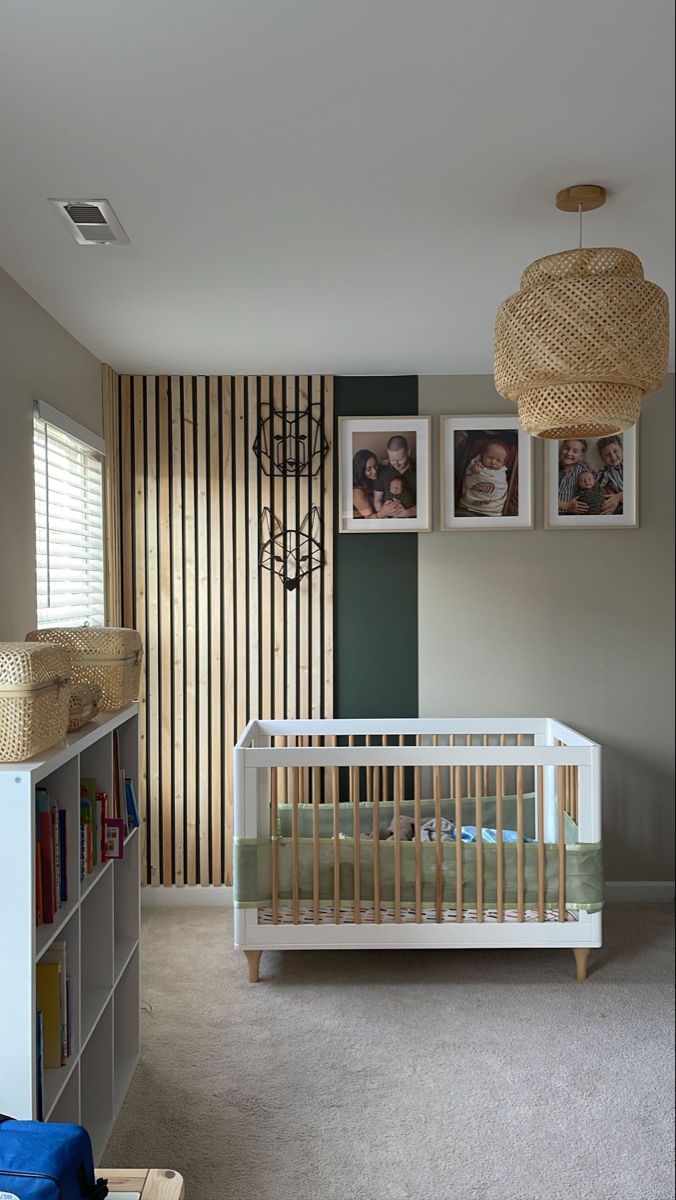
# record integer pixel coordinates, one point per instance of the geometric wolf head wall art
(291, 443)
(291, 553)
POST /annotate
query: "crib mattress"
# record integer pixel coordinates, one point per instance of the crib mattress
(429, 915)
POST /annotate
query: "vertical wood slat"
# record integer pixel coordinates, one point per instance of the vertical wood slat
(178, 628)
(520, 860)
(479, 850)
(166, 787)
(187, 567)
(560, 799)
(112, 488)
(500, 845)
(417, 797)
(153, 627)
(356, 816)
(227, 615)
(328, 536)
(540, 789)
(190, 628)
(335, 787)
(295, 849)
(275, 845)
(376, 845)
(458, 845)
(439, 845)
(216, 585)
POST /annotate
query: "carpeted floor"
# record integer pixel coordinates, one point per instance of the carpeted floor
(405, 1075)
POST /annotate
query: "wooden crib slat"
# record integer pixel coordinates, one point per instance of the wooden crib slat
(520, 861)
(438, 843)
(302, 790)
(356, 815)
(335, 789)
(500, 846)
(295, 846)
(479, 849)
(315, 845)
(417, 797)
(376, 845)
(275, 845)
(541, 842)
(369, 776)
(386, 778)
(458, 844)
(561, 838)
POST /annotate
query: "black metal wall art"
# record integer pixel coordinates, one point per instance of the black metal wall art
(291, 553)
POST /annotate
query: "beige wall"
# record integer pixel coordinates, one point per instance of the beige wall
(576, 624)
(38, 360)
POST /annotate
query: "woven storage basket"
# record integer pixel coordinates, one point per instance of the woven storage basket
(108, 657)
(34, 698)
(86, 700)
(581, 342)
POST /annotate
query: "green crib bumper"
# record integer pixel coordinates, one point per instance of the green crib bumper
(253, 872)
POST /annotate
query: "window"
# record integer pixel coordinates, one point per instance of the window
(68, 520)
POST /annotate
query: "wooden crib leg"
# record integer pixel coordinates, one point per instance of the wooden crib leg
(581, 958)
(253, 958)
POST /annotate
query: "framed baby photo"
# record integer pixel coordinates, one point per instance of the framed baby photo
(384, 467)
(486, 474)
(592, 483)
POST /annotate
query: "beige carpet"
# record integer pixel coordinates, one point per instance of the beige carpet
(405, 1075)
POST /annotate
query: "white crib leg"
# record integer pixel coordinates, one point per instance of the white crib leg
(581, 958)
(253, 958)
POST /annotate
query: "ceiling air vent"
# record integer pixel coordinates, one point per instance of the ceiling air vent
(91, 222)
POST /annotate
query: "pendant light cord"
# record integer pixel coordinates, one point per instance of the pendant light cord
(579, 209)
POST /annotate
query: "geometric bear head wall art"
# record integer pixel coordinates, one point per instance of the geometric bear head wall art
(291, 444)
(291, 553)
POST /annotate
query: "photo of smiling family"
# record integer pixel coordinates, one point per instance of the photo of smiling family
(592, 481)
(384, 474)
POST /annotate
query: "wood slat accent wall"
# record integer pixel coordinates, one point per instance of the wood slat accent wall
(224, 640)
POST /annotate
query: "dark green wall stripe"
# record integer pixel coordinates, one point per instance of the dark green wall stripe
(375, 582)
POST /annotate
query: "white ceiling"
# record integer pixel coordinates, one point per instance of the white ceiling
(348, 186)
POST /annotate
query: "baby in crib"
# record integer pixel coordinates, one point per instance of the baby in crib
(468, 833)
(484, 484)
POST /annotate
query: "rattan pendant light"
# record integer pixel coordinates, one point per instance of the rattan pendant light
(584, 338)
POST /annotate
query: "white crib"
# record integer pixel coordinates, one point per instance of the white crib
(308, 875)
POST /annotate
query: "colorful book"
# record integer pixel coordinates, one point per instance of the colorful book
(57, 955)
(54, 817)
(44, 822)
(63, 847)
(102, 799)
(87, 821)
(88, 799)
(38, 880)
(48, 981)
(69, 1025)
(132, 807)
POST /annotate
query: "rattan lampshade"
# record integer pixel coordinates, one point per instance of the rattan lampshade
(581, 343)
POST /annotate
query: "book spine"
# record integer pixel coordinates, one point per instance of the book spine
(69, 1025)
(63, 845)
(54, 818)
(38, 883)
(46, 852)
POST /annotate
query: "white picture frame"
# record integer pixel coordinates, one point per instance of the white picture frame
(502, 496)
(601, 456)
(367, 449)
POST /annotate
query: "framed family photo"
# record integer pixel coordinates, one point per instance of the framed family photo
(486, 473)
(384, 467)
(592, 483)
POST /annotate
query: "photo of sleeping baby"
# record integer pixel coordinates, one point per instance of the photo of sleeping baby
(486, 473)
(383, 475)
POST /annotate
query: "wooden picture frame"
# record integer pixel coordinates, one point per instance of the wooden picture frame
(486, 473)
(611, 462)
(376, 492)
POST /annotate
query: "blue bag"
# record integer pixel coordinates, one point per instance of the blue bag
(47, 1162)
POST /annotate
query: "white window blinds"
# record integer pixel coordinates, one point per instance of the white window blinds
(68, 527)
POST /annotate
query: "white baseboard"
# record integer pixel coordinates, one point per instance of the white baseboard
(186, 897)
(641, 891)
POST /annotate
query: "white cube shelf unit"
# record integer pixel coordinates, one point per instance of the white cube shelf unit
(99, 923)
